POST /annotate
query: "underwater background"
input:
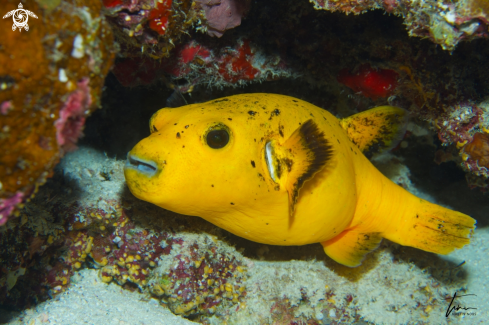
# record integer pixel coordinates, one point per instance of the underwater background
(79, 85)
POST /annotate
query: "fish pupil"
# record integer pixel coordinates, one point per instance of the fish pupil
(217, 139)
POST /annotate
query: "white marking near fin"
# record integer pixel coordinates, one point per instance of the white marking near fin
(269, 159)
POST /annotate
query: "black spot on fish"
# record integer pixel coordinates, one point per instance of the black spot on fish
(186, 126)
(252, 113)
(295, 101)
(276, 112)
(288, 162)
(261, 177)
(232, 203)
(154, 129)
(175, 124)
(221, 100)
(183, 146)
(280, 130)
(253, 164)
(254, 139)
(230, 119)
(182, 131)
(178, 135)
(267, 223)
(212, 185)
(338, 141)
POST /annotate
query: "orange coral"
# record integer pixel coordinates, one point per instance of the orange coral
(478, 149)
(39, 69)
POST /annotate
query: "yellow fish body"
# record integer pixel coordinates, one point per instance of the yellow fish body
(280, 171)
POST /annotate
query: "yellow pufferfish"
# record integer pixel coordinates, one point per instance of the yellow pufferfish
(280, 171)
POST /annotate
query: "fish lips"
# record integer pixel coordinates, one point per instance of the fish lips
(146, 167)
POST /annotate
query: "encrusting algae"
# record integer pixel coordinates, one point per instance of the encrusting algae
(51, 78)
(280, 171)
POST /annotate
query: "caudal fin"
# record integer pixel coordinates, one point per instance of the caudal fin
(433, 228)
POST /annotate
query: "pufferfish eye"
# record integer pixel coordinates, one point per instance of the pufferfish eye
(217, 139)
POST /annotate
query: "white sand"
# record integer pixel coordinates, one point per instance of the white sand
(90, 301)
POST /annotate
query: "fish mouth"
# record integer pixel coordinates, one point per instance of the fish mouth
(146, 167)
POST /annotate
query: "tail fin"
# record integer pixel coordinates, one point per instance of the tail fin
(433, 228)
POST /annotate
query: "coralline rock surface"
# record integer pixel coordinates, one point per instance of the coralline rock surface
(192, 64)
(149, 28)
(51, 78)
(445, 22)
(153, 28)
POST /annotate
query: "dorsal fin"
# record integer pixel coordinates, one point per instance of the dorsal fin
(377, 128)
(297, 160)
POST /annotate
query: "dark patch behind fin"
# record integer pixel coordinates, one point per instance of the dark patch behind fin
(311, 151)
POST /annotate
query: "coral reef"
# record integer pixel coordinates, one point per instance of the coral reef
(295, 40)
(153, 28)
(150, 28)
(51, 78)
(200, 276)
(83, 217)
(446, 23)
(192, 64)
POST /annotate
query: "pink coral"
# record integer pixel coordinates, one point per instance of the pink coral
(7, 206)
(6, 106)
(69, 126)
(222, 15)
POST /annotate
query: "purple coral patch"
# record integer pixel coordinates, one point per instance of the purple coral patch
(69, 126)
(222, 15)
(7, 206)
(6, 106)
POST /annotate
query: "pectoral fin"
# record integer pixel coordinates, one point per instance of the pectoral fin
(297, 160)
(377, 128)
(351, 246)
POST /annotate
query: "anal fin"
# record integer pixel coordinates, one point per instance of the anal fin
(350, 247)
